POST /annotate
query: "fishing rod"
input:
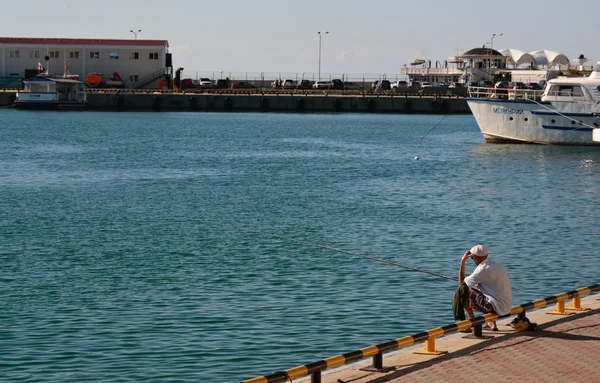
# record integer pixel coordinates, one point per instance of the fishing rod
(339, 251)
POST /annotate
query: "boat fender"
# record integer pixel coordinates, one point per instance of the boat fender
(156, 101)
(194, 102)
(337, 104)
(300, 103)
(371, 104)
(120, 101)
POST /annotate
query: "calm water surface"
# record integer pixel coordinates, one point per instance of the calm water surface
(121, 260)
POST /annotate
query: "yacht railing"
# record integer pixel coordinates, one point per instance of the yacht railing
(505, 93)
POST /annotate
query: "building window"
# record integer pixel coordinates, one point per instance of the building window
(135, 56)
(154, 56)
(114, 55)
(74, 54)
(15, 54)
(54, 55)
(94, 55)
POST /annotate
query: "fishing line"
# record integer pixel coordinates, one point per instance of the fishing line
(340, 251)
(434, 126)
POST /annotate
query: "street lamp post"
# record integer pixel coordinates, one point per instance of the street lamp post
(320, 36)
(262, 81)
(491, 49)
(135, 33)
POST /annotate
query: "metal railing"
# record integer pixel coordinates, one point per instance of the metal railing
(148, 79)
(376, 352)
(481, 73)
(505, 93)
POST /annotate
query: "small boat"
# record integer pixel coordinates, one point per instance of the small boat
(566, 112)
(115, 81)
(46, 92)
(94, 80)
(417, 62)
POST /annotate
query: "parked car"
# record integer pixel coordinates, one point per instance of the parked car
(352, 86)
(516, 85)
(384, 85)
(289, 84)
(276, 84)
(221, 84)
(414, 85)
(440, 84)
(533, 86)
(321, 84)
(400, 84)
(375, 84)
(426, 84)
(336, 84)
(243, 85)
(472, 83)
(304, 84)
(455, 85)
(485, 83)
(205, 82)
(187, 83)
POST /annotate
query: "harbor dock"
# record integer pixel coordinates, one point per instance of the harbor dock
(235, 101)
(563, 347)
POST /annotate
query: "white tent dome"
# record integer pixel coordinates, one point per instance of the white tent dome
(549, 58)
(517, 57)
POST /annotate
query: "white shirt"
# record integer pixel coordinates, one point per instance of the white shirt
(493, 282)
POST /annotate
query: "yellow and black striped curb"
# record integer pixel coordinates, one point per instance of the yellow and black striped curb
(379, 349)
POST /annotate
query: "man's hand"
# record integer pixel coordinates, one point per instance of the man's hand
(467, 255)
(461, 270)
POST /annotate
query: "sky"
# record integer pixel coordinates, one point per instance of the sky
(365, 37)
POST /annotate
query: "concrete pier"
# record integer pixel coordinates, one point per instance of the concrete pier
(282, 102)
(565, 348)
(308, 102)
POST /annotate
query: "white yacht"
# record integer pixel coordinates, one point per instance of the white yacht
(566, 112)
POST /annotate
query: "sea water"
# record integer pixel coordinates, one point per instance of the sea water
(129, 249)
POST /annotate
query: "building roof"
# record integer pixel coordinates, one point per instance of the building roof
(550, 58)
(70, 41)
(480, 52)
(517, 57)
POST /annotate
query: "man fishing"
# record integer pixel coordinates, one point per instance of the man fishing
(487, 289)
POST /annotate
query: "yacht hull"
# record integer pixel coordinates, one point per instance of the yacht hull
(524, 121)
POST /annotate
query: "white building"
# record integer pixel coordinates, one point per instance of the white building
(488, 64)
(141, 63)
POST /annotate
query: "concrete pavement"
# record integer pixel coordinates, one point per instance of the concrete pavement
(563, 349)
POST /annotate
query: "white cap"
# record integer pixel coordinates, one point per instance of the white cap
(479, 250)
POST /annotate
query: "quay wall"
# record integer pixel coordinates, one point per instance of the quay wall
(7, 98)
(270, 102)
(277, 103)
